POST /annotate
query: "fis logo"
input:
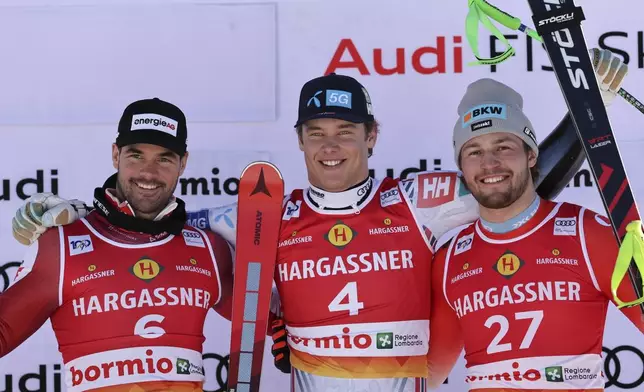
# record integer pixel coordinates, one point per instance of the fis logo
(484, 111)
(79, 244)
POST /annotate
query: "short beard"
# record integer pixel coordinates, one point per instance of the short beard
(501, 200)
(148, 208)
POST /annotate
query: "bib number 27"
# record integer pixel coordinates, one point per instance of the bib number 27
(347, 300)
(496, 346)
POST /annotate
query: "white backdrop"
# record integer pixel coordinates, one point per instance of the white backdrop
(69, 68)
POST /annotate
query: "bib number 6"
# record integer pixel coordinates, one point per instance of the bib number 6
(147, 331)
(350, 292)
(496, 346)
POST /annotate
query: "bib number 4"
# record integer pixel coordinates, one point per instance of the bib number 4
(347, 300)
(496, 346)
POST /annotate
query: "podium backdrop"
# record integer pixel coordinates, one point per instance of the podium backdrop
(69, 68)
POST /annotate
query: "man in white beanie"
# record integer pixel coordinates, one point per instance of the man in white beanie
(507, 285)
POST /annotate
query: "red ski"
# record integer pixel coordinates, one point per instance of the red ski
(259, 213)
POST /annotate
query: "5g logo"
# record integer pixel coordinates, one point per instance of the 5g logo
(338, 98)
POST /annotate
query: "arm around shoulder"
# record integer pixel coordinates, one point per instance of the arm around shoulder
(221, 220)
(224, 260)
(34, 295)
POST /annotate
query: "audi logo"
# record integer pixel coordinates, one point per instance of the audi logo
(389, 193)
(364, 189)
(7, 278)
(571, 222)
(221, 372)
(191, 234)
(613, 366)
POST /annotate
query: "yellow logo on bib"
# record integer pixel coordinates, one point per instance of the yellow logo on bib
(340, 235)
(508, 264)
(146, 269)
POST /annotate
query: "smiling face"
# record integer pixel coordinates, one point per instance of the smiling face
(147, 176)
(336, 152)
(496, 169)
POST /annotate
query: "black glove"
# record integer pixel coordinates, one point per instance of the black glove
(280, 351)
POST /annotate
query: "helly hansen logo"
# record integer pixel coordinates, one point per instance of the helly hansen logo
(79, 244)
(435, 189)
(484, 111)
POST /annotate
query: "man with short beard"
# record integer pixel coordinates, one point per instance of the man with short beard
(128, 286)
(508, 285)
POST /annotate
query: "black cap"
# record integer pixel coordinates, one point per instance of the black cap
(334, 96)
(153, 121)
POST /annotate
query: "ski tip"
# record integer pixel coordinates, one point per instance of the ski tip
(262, 163)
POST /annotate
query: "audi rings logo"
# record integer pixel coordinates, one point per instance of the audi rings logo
(566, 222)
(220, 375)
(613, 360)
(7, 275)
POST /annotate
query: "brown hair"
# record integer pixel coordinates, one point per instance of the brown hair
(370, 126)
(534, 170)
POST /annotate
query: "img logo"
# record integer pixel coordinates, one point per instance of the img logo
(79, 244)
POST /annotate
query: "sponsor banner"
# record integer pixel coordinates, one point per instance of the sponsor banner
(579, 372)
(133, 365)
(372, 340)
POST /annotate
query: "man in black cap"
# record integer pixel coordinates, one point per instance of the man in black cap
(127, 287)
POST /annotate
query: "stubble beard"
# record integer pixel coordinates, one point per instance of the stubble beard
(503, 199)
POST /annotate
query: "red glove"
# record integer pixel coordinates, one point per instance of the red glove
(280, 351)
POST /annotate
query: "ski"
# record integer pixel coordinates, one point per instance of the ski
(261, 191)
(558, 22)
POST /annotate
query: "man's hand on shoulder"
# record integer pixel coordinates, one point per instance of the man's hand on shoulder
(42, 211)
